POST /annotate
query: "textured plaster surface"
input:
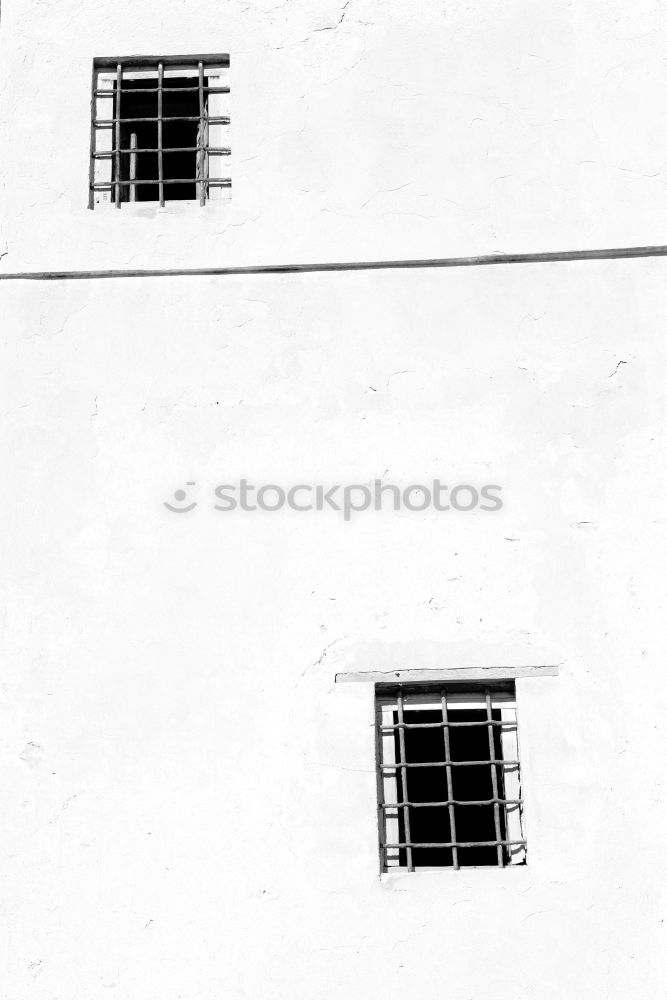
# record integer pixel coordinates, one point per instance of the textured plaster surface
(360, 130)
(189, 799)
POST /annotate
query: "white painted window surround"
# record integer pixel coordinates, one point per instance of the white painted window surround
(467, 689)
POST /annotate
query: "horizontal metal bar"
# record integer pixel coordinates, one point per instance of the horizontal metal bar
(211, 182)
(212, 120)
(329, 267)
(460, 843)
(450, 674)
(164, 90)
(211, 150)
(454, 763)
(220, 60)
(447, 725)
(453, 802)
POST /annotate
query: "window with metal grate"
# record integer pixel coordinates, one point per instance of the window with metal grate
(159, 129)
(449, 790)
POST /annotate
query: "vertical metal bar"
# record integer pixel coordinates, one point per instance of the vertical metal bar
(382, 827)
(93, 141)
(450, 783)
(494, 779)
(521, 834)
(133, 166)
(119, 86)
(200, 142)
(160, 164)
(404, 781)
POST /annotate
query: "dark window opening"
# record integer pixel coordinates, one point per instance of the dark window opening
(431, 824)
(180, 140)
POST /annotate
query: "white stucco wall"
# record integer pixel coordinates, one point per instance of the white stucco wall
(359, 130)
(189, 800)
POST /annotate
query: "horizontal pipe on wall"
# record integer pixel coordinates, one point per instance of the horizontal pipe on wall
(621, 253)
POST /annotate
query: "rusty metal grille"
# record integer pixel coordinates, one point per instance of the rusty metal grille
(448, 776)
(159, 129)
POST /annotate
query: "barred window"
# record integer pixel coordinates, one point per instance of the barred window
(449, 790)
(159, 129)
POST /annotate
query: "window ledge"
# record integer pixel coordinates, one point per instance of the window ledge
(446, 675)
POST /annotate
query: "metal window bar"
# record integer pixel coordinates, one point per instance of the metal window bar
(458, 843)
(517, 783)
(93, 141)
(119, 88)
(402, 759)
(201, 135)
(379, 778)
(123, 178)
(155, 90)
(448, 772)
(506, 846)
(494, 780)
(109, 122)
(212, 182)
(456, 763)
(449, 802)
(160, 162)
(221, 150)
(133, 166)
(450, 725)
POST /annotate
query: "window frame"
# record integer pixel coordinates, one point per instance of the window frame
(212, 157)
(390, 698)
